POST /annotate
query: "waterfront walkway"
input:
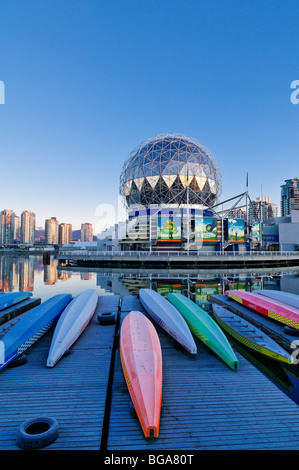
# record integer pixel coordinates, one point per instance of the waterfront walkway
(206, 405)
(180, 259)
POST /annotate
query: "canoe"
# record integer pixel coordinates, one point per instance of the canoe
(271, 308)
(28, 330)
(281, 296)
(7, 300)
(5, 327)
(72, 322)
(249, 335)
(205, 328)
(167, 316)
(141, 359)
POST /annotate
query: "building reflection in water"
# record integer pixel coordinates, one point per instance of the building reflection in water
(50, 272)
(26, 275)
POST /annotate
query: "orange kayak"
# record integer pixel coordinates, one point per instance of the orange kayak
(141, 359)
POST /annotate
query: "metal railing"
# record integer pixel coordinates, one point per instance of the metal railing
(94, 253)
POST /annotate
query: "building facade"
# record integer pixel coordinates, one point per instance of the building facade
(289, 196)
(170, 186)
(7, 226)
(261, 209)
(27, 230)
(17, 229)
(86, 232)
(65, 233)
(51, 231)
(282, 233)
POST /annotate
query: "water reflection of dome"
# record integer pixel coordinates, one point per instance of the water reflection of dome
(161, 168)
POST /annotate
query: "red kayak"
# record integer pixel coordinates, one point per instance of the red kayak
(271, 308)
(141, 359)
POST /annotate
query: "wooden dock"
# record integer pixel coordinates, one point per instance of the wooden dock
(206, 405)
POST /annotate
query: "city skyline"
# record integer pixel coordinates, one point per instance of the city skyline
(86, 83)
(22, 229)
(63, 230)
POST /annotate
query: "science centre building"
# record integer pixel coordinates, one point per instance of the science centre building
(170, 185)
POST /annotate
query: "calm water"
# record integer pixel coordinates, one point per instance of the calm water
(45, 278)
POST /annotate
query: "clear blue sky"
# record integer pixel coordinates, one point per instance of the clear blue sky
(87, 81)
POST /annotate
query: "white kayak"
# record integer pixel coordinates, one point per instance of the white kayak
(168, 317)
(71, 324)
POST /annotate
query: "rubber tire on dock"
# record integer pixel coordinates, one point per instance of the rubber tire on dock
(107, 318)
(289, 330)
(37, 432)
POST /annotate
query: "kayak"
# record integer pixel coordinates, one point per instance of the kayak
(271, 308)
(249, 335)
(141, 359)
(30, 328)
(281, 296)
(205, 328)
(7, 300)
(168, 317)
(71, 324)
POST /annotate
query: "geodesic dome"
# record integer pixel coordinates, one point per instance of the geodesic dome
(161, 168)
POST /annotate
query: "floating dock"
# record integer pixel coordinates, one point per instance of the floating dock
(206, 405)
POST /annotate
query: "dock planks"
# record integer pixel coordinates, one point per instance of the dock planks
(206, 406)
(74, 391)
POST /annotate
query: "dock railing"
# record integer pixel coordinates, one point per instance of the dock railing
(95, 253)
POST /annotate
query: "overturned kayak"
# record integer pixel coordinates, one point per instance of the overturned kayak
(279, 311)
(167, 316)
(31, 327)
(205, 328)
(71, 324)
(7, 300)
(281, 296)
(141, 359)
(249, 335)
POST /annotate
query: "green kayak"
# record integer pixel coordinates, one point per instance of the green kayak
(205, 328)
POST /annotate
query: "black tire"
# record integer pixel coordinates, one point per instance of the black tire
(107, 318)
(289, 330)
(37, 432)
(18, 361)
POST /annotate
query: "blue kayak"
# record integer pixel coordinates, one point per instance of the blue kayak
(30, 328)
(7, 300)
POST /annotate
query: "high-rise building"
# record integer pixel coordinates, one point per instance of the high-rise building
(7, 226)
(65, 233)
(17, 229)
(51, 231)
(289, 196)
(262, 209)
(27, 227)
(86, 232)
